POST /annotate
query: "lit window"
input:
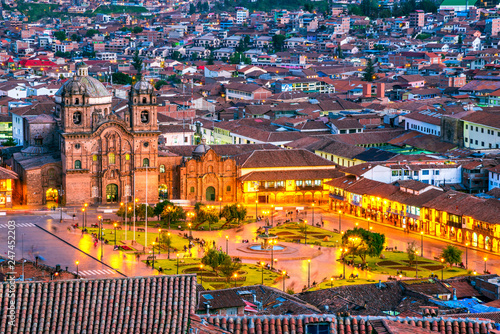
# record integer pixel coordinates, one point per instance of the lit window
(111, 158)
(127, 156)
(94, 157)
(162, 168)
(145, 162)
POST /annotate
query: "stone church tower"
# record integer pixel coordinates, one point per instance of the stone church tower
(101, 150)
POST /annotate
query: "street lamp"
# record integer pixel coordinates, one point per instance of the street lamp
(153, 255)
(227, 242)
(331, 282)
(201, 276)
(262, 266)
(190, 233)
(115, 225)
(177, 263)
(272, 214)
(272, 242)
(235, 277)
(442, 269)
(256, 202)
(422, 243)
(343, 250)
(77, 263)
(312, 222)
(309, 273)
(305, 232)
(466, 256)
(284, 277)
(220, 206)
(100, 233)
(340, 221)
(168, 245)
(159, 241)
(121, 206)
(485, 259)
(85, 214)
(416, 264)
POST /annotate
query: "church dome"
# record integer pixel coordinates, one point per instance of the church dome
(143, 87)
(200, 150)
(81, 83)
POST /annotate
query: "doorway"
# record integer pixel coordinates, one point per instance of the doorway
(210, 194)
(111, 193)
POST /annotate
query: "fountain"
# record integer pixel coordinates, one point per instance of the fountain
(267, 241)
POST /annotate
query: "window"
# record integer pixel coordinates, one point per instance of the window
(77, 117)
(111, 158)
(144, 116)
(395, 173)
(308, 183)
(436, 172)
(280, 184)
(317, 328)
(145, 162)
(425, 172)
(191, 190)
(78, 164)
(406, 172)
(228, 188)
(94, 157)
(77, 146)
(482, 143)
(127, 156)
(466, 127)
(466, 139)
(144, 100)
(162, 168)
(317, 182)
(476, 141)
(185, 139)
(415, 173)
(299, 183)
(482, 130)
(77, 101)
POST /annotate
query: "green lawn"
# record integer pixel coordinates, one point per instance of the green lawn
(183, 225)
(178, 242)
(248, 274)
(395, 261)
(114, 9)
(290, 232)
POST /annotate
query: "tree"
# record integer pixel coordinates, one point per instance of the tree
(309, 7)
(369, 73)
(137, 30)
(192, 9)
(229, 267)
(214, 258)
(194, 56)
(411, 250)
(363, 243)
(76, 38)
(60, 35)
(205, 214)
(176, 55)
(140, 211)
(234, 212)
(160, 83)
(452, 255)
(91, 32)
(121, 78)
(238, 57)
(9, 142)
(137, 63)
(160, 206)
(173, 214)
(165, 240)
(279, 42)
(210, 59)
(121, 211)
(174, 79)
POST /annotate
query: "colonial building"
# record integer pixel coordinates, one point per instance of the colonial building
(99, 155)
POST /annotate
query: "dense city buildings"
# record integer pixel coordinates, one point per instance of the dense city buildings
(268, 145)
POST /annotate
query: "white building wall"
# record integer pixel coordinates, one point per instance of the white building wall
(477, 136)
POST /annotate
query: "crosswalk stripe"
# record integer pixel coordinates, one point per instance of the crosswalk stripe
(96, 272)
(18, 225)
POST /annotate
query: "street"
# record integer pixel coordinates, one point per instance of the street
(44, 241)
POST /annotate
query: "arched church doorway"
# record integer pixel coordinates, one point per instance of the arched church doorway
(52, 196)
(163, 192)
(210, 194)
(111, 193)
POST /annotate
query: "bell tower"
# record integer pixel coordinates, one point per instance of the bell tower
(142, 107)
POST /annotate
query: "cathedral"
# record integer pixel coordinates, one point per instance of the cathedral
(97, 156)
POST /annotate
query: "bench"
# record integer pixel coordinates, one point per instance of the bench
(140, 229)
